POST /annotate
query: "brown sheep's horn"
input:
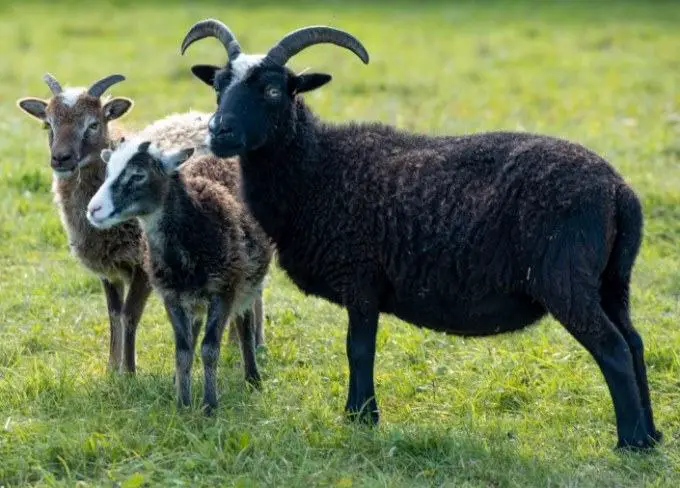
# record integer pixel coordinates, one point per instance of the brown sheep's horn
(53, 84)
(99, 87)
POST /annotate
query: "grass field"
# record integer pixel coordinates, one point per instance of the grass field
(527, 409)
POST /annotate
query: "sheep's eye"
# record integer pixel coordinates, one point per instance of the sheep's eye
(137, 177)
(47, 126)
(93, 126)
(272, 92)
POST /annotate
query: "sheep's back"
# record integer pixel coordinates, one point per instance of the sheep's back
(223, 171)
(450, 215)
(206, 246)
(178, 131)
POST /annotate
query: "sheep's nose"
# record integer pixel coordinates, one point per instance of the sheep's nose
(94, 209)
(224, 128)
(212, 123)
(61, 159)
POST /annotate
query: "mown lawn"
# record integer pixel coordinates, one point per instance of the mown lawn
(527, 409)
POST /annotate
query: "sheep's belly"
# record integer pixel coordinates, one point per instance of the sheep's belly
(493, 314)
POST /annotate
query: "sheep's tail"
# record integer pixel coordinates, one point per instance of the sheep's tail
(628, 236)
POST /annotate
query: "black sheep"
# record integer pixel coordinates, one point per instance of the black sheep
(472, 235)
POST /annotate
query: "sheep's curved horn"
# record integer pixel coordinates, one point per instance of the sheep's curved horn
(99, 87)
(300, 39)
(212, 28)
(53, 84)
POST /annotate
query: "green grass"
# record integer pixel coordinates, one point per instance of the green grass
(527, 409)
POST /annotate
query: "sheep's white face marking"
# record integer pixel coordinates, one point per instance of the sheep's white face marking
(70, 96)
(104, 211)
(242, 64)
(119, 159)
(100, 210)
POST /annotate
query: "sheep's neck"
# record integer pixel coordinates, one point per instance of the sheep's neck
(160, 225)
(275, 177)
(72, 194)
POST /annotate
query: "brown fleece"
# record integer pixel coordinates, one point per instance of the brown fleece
(222, 247)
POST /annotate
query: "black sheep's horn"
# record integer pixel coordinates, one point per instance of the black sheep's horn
(53, 84)
(212, 28)
(300, 39)
(99, 87)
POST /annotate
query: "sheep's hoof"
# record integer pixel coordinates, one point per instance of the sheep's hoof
(129, 370)
(640, 444)
(254, 381)
(181, 406)
(209, 409)
(114, 368)
(363, 417)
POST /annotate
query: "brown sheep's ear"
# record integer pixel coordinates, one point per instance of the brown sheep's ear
(116, 108)
(106, 155)
(308, 82)
(34, 107)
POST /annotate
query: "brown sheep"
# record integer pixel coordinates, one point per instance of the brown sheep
(77, 121)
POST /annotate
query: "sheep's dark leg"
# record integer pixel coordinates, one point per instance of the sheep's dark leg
(114, 304)
(615, 302)
(361, 336)
(218, 314)
(181, 325)
(136, 298)
(589, 325)
(196, 324)
(258, 310)
(246, 332)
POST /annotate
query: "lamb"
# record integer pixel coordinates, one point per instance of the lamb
(204, 252)
(77, 121)
(190, 129)
(470, 235)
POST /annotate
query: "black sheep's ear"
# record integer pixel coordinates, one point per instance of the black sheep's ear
(205, 73)
(308, 82)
